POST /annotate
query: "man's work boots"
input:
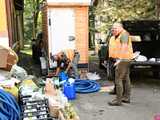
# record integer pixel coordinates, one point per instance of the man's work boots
(126, 100)
(115, 102)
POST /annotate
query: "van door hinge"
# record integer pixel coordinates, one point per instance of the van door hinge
(49, 21)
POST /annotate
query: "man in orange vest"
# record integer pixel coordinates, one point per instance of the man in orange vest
(120, 49)
(67, 59)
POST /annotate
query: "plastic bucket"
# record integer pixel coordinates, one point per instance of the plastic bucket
(69, 91)
(63, 76)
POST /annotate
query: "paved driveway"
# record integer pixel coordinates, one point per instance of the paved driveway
(145, 103)
(145, 100)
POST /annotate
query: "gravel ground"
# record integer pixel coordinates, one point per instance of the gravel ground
(29, 65)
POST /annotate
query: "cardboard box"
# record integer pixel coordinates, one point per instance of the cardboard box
(3, 56)
(11, 60)
(8, 58)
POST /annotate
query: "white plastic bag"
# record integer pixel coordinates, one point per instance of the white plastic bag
(141, 58)
(18, 72)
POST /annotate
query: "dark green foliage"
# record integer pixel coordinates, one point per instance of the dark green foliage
(109, 11)
(32, 19)
(117, 10)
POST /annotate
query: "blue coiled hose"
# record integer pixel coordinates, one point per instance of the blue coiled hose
(86, 86)
(9, 108)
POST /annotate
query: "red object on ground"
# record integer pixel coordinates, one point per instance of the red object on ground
(157, 117)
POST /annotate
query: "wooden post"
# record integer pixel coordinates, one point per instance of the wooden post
(34, 29)
(158, 9)
(20, 28)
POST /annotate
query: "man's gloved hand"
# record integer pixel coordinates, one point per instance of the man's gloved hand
(65, 72)
(117, 62)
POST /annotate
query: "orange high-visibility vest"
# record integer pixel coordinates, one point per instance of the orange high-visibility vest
(69, 53)
(117, 51)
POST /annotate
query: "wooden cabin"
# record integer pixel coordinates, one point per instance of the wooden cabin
(11, 23)
(3, 24)
(64, 20)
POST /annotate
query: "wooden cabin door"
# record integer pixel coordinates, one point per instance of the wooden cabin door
(61, 29)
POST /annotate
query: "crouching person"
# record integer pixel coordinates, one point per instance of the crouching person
(67, 60)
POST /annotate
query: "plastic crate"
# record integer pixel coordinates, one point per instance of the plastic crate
(34, 109)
